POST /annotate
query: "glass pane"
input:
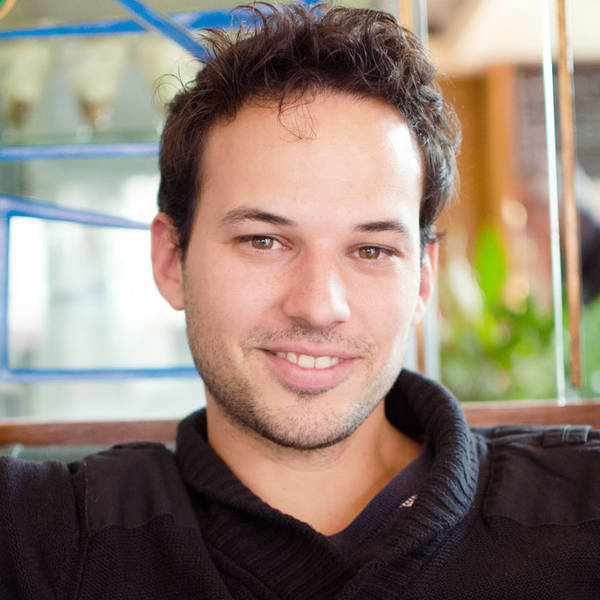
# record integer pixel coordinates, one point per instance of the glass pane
(101, 400)
(495, 287)
(121, 187)
(83, 297)
(88, 89)
(495, 277)
(37, 14)
(496, 292)
(587, 192)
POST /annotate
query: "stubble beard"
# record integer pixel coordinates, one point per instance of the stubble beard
(239, 399)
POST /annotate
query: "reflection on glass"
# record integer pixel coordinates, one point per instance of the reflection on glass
(101, 400)
(496, 280)
(88, 89)
(587, 191)
(121, 187)
(83, 297)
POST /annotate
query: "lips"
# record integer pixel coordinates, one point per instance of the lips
(301, 370)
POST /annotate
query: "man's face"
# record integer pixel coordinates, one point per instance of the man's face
(303, 272)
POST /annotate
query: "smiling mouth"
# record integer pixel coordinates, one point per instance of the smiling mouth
(306, 361)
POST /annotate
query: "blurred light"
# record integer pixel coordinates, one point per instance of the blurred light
(595, 381)
(516, 292)
(28, 286)
(514, 214)
(94, 67)
(138, 197)
(464, 287)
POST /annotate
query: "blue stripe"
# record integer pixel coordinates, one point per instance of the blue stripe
(192, 20)
(189, 20)
(96, 28)
(76, 151)
(167, 27)
(40, 375)
(13, 206)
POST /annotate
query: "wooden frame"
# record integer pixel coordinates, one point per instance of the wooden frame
(93, 433)
(478, 414)
(532, 413)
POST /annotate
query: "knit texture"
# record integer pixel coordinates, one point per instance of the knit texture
(502, 513)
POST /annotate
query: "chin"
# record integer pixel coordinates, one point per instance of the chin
(305, 423)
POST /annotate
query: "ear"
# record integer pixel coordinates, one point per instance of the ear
(429, 266)
(166, 261)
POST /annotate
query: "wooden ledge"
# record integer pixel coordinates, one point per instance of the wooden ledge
(89, 433)
(36, 433)
(524, 412)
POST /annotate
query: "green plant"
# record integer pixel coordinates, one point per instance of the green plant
(494, 351)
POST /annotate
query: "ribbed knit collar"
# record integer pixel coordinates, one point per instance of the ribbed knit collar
(418, 407)
(421, 407)
(415, 405)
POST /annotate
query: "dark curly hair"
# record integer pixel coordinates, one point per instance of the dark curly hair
(287, 52)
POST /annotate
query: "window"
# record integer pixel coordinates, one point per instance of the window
(84, 334)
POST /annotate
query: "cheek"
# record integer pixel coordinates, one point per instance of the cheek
(231, 296)
(387, 310)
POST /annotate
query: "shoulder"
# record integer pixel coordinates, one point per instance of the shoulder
(543, 475)
(19, 476)
(38, 526)
(131, 484)
(25, 484)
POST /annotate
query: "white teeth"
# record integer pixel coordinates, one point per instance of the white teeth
(323, 362)
(310, 362)
(306, 362)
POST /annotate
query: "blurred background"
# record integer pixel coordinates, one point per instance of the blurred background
(86, 335)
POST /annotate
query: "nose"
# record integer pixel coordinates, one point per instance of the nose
(316, 293)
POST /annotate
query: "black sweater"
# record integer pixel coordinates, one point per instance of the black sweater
(502, 513)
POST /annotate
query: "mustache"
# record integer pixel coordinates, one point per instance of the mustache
(304, 333)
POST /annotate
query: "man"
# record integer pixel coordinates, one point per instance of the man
(302, 174)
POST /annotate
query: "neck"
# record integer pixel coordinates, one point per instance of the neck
(343, 477)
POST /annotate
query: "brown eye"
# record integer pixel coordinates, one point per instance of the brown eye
(262, 243)
(369, 252)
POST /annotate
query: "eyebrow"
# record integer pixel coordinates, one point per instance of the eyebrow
(387, 225)
(238, 215)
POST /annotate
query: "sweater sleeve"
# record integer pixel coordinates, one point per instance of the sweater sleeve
(38, 528)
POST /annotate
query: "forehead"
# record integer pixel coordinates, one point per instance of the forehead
(330, 151)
